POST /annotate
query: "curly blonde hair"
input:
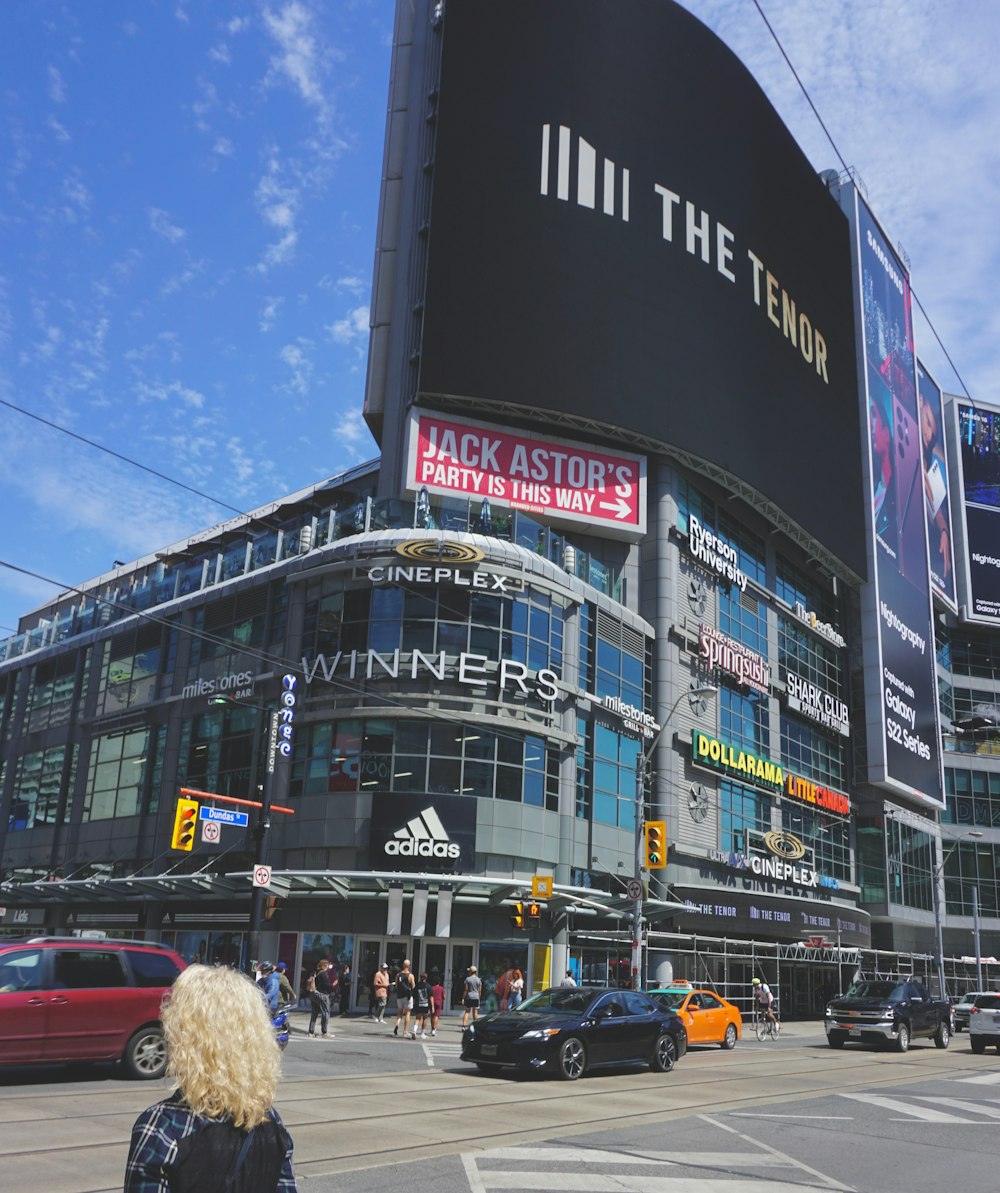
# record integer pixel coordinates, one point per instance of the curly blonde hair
(222, 1053)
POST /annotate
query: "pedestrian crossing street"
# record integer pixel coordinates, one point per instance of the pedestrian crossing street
(561, 1169)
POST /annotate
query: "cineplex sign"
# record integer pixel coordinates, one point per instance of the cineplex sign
(750, 768)
(565, 481)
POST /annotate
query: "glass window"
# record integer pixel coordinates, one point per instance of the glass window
(152, 969)
(87, 969)
(741, 808)
(116, 780)
(38, 787)
(21, 970)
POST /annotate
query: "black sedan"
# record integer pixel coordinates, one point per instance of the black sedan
(570, 1030)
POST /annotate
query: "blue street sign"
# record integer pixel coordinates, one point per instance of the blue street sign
(224, 816)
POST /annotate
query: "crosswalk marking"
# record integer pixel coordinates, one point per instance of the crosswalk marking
(981, 1079)
(968, 1107)
(589, 1155)
(620, 1182)
(925, 1114)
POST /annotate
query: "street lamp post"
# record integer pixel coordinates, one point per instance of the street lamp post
(937, 875)
(642, 764)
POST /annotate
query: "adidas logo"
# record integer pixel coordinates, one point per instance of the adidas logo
(614, 180)
(423, 836)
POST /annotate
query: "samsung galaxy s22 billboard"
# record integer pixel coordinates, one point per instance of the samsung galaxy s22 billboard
(977, 451)
(623, 231)
(900, 686)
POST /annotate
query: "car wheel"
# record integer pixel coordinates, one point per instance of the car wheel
(942, 1036)
(903, 1038)
(978, 1043)
(145, 1054)
(729, 1039)
(572, 1059)
(836, 1039)
(664, 1054)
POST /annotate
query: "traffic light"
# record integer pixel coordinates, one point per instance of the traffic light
(656, 844)
(517, 916)
(534, 915)
(185, 819)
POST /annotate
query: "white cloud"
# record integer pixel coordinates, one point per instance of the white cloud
(160, 222)
(353, 326)
(269, 313)
(56, 86)
(174, 393)
(220, 53)
(58, 130)
(352, 284)
(297, 59)
(238, 25)
(180, 280)
(78, 197)
(223, 147)
(301, 368)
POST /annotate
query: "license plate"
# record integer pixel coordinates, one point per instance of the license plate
(855, 1031)
(489, 1050)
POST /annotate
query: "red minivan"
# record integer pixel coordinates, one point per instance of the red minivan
(64, 999)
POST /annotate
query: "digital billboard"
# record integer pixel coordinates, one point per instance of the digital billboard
(566, 481)
(937, 506)
(904, 751)
(622, 230)
(978, 454)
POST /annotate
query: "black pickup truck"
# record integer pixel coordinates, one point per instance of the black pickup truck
(889, 1012)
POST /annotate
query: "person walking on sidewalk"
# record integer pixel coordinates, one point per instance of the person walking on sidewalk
(319, 999)
(404, 998)
(345, 990)
(473, 994)
(380, 986)
(421, 1006)
(437, 1003)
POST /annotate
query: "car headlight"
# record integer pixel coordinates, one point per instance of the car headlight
(540, 1033)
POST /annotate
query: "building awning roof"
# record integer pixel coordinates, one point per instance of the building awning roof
(325, 884)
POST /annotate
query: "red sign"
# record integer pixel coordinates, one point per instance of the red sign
(559, 478)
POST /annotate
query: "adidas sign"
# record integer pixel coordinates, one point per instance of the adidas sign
(423, 836)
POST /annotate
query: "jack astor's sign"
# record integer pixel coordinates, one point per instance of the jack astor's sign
(751, 768)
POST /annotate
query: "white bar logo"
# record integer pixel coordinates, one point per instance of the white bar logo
(423, 836)
(586, 174)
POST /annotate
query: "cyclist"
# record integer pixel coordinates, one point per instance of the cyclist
(763, 999)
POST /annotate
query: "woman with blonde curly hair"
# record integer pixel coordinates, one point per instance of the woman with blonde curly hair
(219, 1132)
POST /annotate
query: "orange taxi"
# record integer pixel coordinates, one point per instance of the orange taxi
(708, 1018)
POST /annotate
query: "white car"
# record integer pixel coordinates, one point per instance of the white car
(961, 1010)
(984, 1022)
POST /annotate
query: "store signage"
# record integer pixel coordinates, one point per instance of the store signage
(726, 654)
(237, 684)
(784, 845)
(438, 567)
(715, 553)
(751, 768)
(823, 628)
(475, 670)
(562, 479)
(286, 715)
(711, 910)
(819, 706)
(633, 719)
(422, 833)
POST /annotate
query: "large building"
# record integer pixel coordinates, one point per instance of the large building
(669, 533)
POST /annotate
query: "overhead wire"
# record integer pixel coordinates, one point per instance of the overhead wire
(847, 170)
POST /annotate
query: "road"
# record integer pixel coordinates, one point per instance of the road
(767, 1116)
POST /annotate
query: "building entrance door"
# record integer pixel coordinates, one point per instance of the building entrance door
(372, 951)
(449, 961)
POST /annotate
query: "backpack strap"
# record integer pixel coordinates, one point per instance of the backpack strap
(234, 1172)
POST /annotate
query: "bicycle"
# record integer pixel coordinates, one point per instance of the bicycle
(763, 1027)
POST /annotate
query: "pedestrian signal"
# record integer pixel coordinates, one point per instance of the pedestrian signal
(185, 819)
(517, 915)
(656, 844)
(534, 915)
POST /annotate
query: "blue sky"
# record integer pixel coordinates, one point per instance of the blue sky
(187, 226)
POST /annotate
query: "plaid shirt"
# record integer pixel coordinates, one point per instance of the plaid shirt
(155, 1136)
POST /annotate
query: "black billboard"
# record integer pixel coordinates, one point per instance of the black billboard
(622, 229)
(727, 912)
(422, 834)
(978, 453)
(904, 741)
